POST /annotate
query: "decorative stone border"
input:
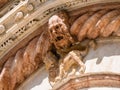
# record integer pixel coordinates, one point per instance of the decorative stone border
(89, 80)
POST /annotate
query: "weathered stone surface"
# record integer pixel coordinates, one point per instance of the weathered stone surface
(97, 24)
(28, 59)
(3, 2)
(25, 62)
(104, 59)
(59, 30)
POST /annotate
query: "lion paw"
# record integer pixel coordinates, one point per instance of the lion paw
(82, 69)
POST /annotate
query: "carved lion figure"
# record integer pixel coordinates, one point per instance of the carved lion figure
(59, 30)
(72, 61)
(63, 42)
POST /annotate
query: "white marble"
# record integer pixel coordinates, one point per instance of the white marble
(104, 59)
(38, 81)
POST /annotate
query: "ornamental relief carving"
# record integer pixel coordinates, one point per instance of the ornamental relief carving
(62, 47)
(23, 11)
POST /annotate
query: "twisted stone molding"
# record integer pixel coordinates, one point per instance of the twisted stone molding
(24, 63)
(11, 30)
(102, 23)
(29, 58)
(16, 20)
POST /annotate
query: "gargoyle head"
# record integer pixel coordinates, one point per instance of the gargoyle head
(59, 30)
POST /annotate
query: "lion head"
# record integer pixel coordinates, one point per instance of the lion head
(59, 30)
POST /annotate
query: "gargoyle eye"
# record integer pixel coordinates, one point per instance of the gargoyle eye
(57, 27)
(50, 30)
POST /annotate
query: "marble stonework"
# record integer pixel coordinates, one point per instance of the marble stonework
(35, 33)
(104, 59)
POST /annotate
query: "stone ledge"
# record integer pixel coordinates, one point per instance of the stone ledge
(89, 80)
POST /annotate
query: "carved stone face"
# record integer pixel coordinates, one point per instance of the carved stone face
(59, 30)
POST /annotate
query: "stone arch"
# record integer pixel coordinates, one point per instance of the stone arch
(38, 40)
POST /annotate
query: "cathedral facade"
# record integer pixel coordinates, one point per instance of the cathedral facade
(59, 45)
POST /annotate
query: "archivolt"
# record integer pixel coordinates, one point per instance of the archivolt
(90, 25)
(25, 62)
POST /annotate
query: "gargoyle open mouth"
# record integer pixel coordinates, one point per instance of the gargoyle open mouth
(58, 38)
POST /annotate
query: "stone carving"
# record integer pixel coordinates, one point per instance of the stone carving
(52, 67)
(55, 46)
(19, 16)
(64, 44)
(22, 5)
(60, 38)
(82, 28)
(72, 61)
(2, 29)
(30, 7)
(3, 2)
(59, 31)
(99, 24)
(17, 33)
(25, 62)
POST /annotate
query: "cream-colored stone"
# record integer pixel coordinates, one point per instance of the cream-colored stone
(19, 16)
(30, 7)
(104, 59)
(2, 29)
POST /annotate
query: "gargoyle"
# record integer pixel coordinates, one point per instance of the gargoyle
(59, 31)
(64, 46)
(72, 61)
